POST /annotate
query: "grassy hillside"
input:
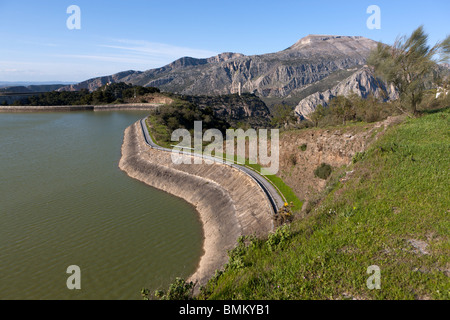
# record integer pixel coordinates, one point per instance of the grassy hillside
(392, 212)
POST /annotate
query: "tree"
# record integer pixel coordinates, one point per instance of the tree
(342, 108)
(282, 115)
(408, 64)
(317, 115)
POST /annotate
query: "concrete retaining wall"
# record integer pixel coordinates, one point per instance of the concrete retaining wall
(230, 203)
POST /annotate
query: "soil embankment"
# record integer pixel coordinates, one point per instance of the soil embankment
(229, 202)
(302, 151)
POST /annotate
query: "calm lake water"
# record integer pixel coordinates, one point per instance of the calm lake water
(64, 201)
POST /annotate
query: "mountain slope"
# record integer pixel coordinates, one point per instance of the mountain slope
(275, 75)
(363, 83)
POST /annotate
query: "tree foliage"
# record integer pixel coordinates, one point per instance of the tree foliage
(408, 64)
(323, 171)
(282, 115)
(179, 290)
(109, 93)
(182, 115)
(318, 115)
(342, 109)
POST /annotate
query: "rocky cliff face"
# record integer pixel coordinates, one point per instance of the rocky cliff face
(363, 83)
(275, 75)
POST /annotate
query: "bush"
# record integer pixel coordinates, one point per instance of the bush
(236, 255)
(179, 290)
(280, 237)
(293, 159)
(323, 171)
(359, 156)
(303, 147)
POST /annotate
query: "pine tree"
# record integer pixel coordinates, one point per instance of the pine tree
(408, 64)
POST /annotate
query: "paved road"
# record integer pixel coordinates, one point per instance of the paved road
(273, 197)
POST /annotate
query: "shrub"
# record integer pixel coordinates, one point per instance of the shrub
(236, 255)
(303, 147)
(179, 290)
(323, 171)
(358, 157)
(293, 159)
(278, 238)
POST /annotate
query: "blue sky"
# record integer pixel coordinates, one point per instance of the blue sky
(118, 35)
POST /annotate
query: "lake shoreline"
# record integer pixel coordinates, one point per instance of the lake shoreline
(229, 203)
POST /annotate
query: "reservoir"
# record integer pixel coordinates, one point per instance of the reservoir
(64, 202)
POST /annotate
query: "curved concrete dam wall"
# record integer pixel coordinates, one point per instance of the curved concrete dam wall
(230, 203)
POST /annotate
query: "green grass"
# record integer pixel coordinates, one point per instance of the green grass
(158, 132)
(399, 192)
(285, 190)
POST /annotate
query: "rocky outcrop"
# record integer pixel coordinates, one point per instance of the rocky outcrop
(274, 75)
(230, 203)
(362, 83)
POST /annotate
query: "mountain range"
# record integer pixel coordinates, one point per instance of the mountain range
(313, 64)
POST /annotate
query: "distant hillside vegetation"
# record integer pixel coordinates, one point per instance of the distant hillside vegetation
(246, 110)
(107, 94)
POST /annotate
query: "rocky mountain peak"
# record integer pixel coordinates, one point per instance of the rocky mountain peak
(329, 40)
(225, 57)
